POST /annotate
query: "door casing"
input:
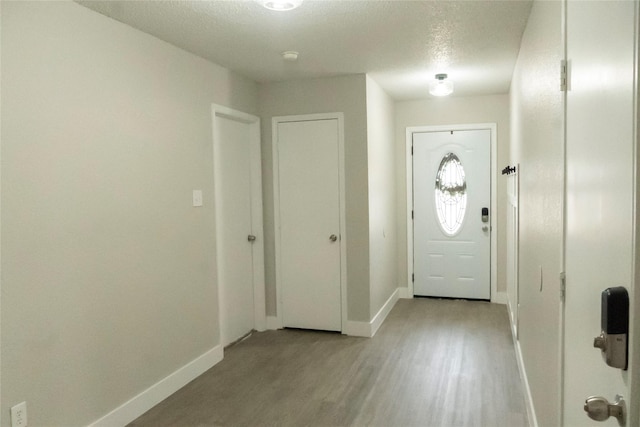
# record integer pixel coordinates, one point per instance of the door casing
(276, 207)
(257, 248)
(495, 296)
(513, 239)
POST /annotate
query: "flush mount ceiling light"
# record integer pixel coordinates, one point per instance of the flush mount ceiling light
(290, 56)
(441, 86)
(281, 5)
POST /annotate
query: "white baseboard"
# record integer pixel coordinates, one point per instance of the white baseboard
(403, 292)
(164, 388)
(273, 323)
(499, 298)
(353, 328)
(384, 311)
(357, 329)
(369, 329)
(531, 410)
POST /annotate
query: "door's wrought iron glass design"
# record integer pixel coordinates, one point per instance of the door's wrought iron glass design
(451, 194)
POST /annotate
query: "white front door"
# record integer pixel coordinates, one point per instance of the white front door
(308, 214)
(238, 196)
(600, 195)
(451, 207)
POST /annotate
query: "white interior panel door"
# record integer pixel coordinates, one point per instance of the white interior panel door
(309, 217)
(233, 224)
(600, 194)
(452, 238)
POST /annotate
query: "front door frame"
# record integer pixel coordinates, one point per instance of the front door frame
(343, 217)
(257, 248)
(495, 296)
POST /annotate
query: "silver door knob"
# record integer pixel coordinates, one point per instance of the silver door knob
(599, 409)
(333, 237)
(251, 238)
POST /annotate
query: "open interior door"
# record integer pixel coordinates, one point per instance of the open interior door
(600, 197)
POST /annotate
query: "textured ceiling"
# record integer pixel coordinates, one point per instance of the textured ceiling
(401, 44)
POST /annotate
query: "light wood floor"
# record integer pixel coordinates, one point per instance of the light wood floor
(432, 363)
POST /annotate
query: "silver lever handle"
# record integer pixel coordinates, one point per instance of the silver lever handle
(333, 237)
(599, 409)
(251, 238)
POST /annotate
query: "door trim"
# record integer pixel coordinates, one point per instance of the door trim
(634, 335)
(257, 249)
(495, 296)
(512, 243)
(276, 208)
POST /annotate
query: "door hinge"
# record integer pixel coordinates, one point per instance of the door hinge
(564, 75)
(563, 286)
(413, 277)
(412, 150)
(411, 214)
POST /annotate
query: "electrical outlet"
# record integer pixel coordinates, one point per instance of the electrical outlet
(197, 198)
(19, 415)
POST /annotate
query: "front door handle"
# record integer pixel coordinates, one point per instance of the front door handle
(599, 409)
(333, 237)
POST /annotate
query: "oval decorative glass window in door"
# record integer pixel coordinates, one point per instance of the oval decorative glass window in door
(451, 194)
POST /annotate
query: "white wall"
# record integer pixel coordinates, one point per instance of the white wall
(537, 144)
(339, 94)
(382, 196)
(108, 275)
(446, 111)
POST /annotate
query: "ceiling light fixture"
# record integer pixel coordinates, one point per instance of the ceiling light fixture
(281, 5)
(290, 56)
(441, 86)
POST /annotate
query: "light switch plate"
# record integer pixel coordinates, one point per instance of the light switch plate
(19, 415)
(197, 198)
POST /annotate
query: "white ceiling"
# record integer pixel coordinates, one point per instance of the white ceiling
(401, 44)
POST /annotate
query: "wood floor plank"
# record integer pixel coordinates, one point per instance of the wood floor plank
(440, 363)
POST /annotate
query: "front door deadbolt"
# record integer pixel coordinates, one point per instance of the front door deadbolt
(613, 341)
(599, 409)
